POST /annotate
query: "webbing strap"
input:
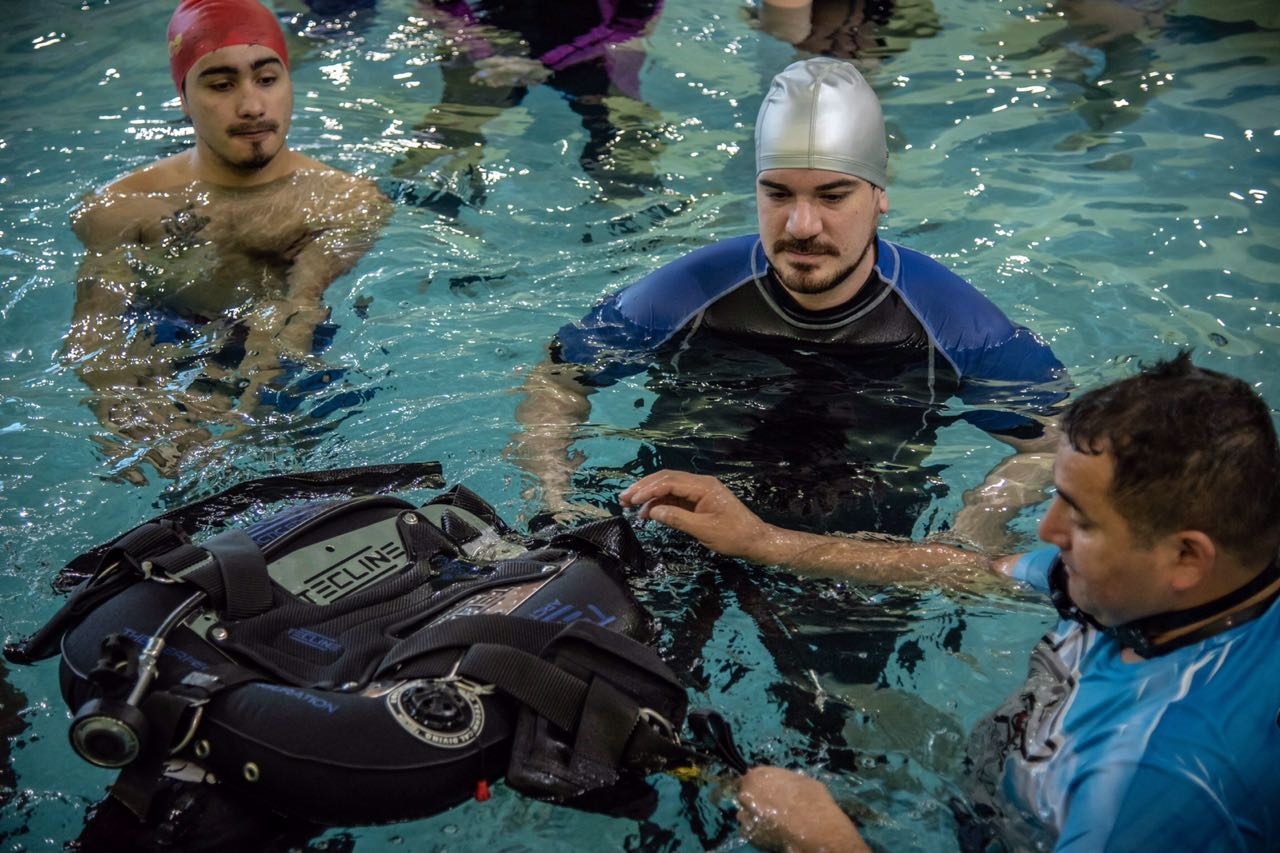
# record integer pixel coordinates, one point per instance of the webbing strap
(608, 719)
(179, 561)
(237, 574)
(547, 690)
(490, 628)
(117, 568)
(146, 541)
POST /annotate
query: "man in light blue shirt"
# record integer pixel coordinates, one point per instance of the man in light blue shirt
(1150, 717)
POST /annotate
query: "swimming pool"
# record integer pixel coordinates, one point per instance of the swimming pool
(1119, 202)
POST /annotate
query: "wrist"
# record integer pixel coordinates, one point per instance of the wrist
(770, 545)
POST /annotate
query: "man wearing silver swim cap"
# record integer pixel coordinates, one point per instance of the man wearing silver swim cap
(843, 338)
(821, 167)
(808, 366)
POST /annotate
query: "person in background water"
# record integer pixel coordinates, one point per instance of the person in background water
(866, 30)
(204, 275)
(589, 51)
(1148, 719)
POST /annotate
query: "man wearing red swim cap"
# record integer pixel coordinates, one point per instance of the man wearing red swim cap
(224, 250)
(215, 47)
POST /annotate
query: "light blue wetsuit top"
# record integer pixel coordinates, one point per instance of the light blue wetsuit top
(1179, 752)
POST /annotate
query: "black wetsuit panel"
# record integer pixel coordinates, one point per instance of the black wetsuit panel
(819, 420)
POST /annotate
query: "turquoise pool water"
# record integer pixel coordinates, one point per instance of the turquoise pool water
(1119, 201)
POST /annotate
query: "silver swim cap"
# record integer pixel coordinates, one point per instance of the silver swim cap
(821, 114)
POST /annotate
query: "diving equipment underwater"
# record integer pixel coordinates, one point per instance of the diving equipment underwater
(366, 660)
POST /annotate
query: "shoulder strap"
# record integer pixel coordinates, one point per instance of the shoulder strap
(210, 512)
(117, 565)
(105, 569)
(234, 576)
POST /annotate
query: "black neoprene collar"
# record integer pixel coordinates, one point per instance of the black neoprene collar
(1140, 634)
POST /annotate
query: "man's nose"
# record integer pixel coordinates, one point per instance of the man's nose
(251, 102)
(1053, 526)
(804, 221)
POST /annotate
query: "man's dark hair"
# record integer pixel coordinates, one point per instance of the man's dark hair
(1193, 449)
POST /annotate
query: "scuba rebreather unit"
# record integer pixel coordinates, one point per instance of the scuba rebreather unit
(366, 659)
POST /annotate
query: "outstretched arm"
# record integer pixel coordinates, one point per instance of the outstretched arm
(555, 405)
(704, 508)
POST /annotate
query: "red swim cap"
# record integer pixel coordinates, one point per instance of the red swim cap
(203, 26)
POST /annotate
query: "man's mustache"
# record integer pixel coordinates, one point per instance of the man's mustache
(253, 127)
(808, 247)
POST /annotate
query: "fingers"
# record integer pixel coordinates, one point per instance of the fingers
(668, 484)
(753, 811)
(672, 516)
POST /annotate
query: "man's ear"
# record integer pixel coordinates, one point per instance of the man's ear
(1194, 556)
(883, 201)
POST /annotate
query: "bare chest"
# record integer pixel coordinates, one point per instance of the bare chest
(264, 231)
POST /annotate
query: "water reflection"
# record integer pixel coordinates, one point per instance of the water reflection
(867, 30)
(494, 51)
(12, 703)
(1115, 56)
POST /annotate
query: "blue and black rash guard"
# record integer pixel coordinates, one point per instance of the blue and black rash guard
(1098, 753)
(823, 419)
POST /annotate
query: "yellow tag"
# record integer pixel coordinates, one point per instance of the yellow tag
(175, 45)
(686, 774)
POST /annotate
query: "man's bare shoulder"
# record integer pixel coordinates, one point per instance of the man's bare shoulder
(118, 212)
(165, 175)
(342, 192)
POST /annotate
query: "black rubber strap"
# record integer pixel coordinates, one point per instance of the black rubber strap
(236, 579)
(492, 629)
(424, 540)
(547, 690)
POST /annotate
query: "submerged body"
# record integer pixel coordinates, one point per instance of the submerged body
(1094, 737)
(201, 249)
(590, 52)
(235, 240)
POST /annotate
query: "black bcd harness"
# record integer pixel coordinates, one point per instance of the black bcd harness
(364, 660)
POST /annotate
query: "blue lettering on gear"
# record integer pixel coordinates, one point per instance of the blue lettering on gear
(558, 611)
(306, 698)
(315, 641)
